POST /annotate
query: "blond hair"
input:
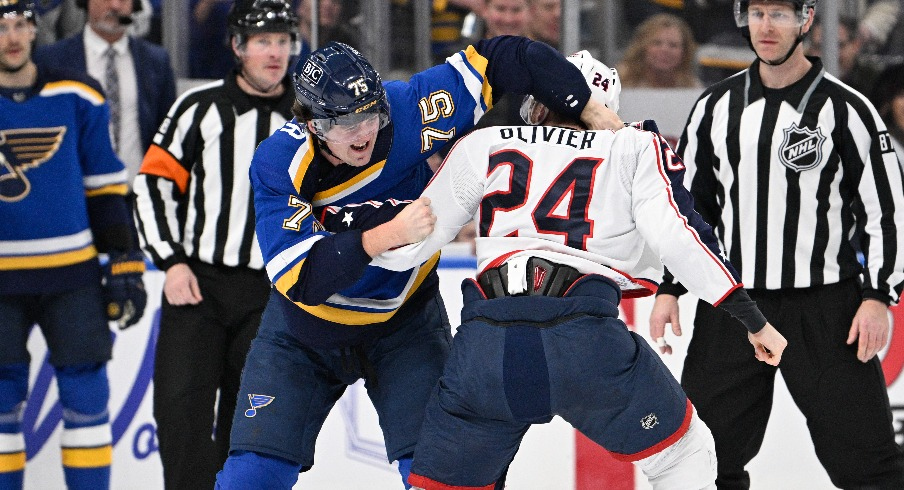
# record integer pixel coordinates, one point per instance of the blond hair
(632, 68)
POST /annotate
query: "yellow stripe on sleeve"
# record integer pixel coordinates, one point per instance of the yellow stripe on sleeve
(115, 189)
(480, 64)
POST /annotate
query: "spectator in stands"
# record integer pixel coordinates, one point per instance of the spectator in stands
(333, 24)
(209, 52)
(876, 21)
(497, 18)
(853, 68)
(447, 20)
(661, 55)
(136, 75)
(544, 21)
(57, 19)
(888, 97)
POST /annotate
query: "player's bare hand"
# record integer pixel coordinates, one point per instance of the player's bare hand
(415, 222)
(181, 286)
(869, 328)
(597, 116)
(665, 310)
(768, 344)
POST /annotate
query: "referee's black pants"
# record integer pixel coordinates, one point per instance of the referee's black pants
(845, 401)
(202, 349)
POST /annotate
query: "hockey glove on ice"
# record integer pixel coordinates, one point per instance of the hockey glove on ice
(124, 294)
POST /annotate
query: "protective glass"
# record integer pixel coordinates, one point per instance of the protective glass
(349, 128)
(528, 111)
(778, 14)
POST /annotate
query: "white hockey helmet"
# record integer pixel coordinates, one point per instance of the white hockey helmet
(605, 86)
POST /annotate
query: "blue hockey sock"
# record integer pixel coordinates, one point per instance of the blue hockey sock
(246, 470)
(13, 391)
(405, 470)
(87, 440)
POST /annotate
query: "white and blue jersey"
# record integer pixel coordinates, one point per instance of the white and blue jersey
(336, 297)
(62, 187)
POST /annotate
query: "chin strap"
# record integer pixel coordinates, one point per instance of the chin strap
(321, 144)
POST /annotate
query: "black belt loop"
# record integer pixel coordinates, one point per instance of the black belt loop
(544, 278)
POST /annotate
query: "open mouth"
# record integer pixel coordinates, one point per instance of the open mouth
(361, 147)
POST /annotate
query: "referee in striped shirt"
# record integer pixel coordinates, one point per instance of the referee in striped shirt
(788, 164)
(196, 221)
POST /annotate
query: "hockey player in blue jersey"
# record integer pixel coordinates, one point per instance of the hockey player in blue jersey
(333, 319)
(62, 200)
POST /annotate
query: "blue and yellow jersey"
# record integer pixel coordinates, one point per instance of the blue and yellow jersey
(292, 184)
(333, 297)
(55, 159)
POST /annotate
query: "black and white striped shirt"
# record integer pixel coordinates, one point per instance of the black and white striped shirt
(788, 177)
(193, 194)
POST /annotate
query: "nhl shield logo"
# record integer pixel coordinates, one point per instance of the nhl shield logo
(649, 421)
(802, 148)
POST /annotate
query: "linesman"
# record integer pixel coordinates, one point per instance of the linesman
(788, 164)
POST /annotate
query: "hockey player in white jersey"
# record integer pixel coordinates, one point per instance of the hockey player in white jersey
(569, 221)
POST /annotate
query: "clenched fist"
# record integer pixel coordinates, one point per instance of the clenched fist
(411, 225)
(415, 221)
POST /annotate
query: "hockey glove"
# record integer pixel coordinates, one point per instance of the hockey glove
(124, 294)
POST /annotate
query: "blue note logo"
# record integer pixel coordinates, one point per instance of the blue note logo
(257, 401)
(20, 151)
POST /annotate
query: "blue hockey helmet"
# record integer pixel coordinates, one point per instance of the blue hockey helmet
(339, 87)
(25, 8)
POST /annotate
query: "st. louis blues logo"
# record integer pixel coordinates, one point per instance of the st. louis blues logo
(649, 421)
(21, 150)
(257, 401)
(802, 148)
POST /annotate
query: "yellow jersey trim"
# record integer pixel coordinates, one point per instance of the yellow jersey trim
(48, 261)
(350, 317)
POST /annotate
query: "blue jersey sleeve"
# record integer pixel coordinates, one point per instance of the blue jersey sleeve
(522, 66)
(103, 173)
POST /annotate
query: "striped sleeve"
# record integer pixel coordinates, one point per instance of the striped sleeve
(161, 187)
(881, 193)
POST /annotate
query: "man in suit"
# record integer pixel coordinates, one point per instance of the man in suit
(136, 74)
